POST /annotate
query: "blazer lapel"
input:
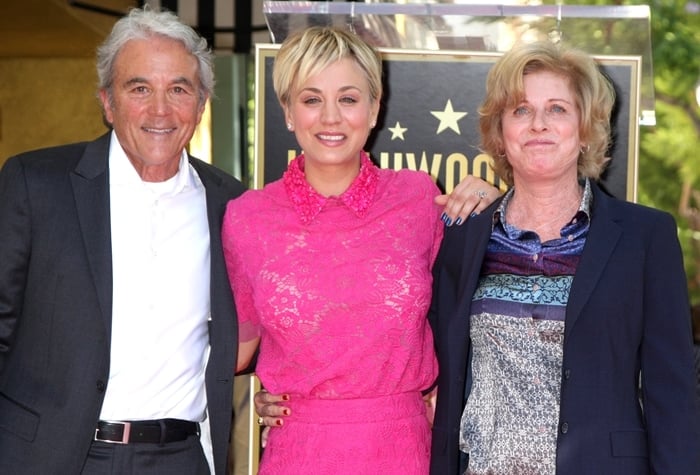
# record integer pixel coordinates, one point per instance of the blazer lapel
(603, 236)
(474, 251)
(479, 229)
(90, 181)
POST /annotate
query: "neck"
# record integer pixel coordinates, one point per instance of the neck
(331, 180)
(544, 210)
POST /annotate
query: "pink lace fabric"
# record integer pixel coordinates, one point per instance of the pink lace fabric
(338, 289)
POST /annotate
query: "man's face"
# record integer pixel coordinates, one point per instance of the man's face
(155, 104)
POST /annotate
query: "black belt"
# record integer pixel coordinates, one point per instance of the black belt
(159, 431)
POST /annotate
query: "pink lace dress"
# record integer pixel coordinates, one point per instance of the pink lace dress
(338, 289)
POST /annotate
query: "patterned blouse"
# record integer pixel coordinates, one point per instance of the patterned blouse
(509, 424)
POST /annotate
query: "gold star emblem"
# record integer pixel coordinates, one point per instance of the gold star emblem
(448, 118)
(397, 131)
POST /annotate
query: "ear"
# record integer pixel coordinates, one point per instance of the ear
(201, 108)
(287, 113)
(288, 117)
(106, 105)
(374, 114)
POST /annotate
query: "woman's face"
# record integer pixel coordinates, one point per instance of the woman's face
(332, 114)
(541, 134)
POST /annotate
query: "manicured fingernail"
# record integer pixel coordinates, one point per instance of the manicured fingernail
(278, 422)
(285, 397)
(285, 412)
(443, 217)
(474, 213)
(458, 221)
(448, 222)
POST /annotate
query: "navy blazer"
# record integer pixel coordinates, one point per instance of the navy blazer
(56, 306)
(627, 320)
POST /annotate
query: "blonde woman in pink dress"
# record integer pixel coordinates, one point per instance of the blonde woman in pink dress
(330, 267)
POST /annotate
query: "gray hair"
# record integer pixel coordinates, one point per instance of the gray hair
(145, 23)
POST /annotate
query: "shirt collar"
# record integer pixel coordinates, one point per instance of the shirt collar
(308, 203)
(584, 209)
(122, 172)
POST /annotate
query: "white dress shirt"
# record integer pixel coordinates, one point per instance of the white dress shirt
(161, 300)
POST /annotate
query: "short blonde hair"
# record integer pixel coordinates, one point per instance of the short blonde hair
(593, 93)
(305, 53)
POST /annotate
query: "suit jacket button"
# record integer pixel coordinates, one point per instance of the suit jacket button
(101, 386)
(567, 374)
(565, 428)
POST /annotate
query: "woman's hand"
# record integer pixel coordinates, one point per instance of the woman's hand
(470, 197)
(270, 412)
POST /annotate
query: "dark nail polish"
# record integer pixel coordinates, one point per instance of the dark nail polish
(458, 221)
(474, 213)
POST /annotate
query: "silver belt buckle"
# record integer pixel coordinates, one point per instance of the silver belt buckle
(125, 433)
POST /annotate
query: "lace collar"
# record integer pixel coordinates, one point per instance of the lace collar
(308, 202)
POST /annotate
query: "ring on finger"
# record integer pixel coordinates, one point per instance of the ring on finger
(261, 421)
(481, 194)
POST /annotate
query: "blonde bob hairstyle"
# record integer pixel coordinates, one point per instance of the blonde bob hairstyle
(593, 93)
(309, 51)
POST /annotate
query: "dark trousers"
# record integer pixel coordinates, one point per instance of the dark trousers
(174, 458)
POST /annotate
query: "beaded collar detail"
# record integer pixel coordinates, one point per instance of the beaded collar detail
(308, 202)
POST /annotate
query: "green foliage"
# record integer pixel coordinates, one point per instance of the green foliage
(669, 154)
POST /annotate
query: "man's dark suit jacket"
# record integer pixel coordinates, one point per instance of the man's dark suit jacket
(56, 306)
(628, 311)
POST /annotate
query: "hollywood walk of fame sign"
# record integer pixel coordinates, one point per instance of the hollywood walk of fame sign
(429, 119)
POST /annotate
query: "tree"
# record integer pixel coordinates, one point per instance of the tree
(669, 168)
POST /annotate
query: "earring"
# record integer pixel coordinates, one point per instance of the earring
(372, 125)
(585, 149)
(289, 126)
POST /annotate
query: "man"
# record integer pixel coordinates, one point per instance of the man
(117, 323)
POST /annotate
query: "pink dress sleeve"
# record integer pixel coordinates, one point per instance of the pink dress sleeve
(231, 233)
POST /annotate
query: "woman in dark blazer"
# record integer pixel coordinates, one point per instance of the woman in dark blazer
(560, 314)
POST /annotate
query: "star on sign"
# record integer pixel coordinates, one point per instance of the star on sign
(397, 131)
(448, 118)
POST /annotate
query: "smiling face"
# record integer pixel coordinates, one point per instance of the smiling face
(541, 133)
(155, 104)
(332, 114)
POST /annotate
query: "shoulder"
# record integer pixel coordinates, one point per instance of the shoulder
(210, 173)
(628, 213)
(258, 200)
(640, 225)
(51, 157)
(410, 182)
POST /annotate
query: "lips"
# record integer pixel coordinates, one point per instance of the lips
(535, 143)
(158, 131)
(331, 137)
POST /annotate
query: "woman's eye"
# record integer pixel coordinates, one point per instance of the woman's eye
(557, 108)
(348, 100)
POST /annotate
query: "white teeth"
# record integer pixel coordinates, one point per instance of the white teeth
(158, 131)
(331, 137)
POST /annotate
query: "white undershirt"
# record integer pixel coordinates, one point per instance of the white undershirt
(161, 273)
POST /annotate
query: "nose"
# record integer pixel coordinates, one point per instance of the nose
(539, 120)
(160, 104)
(330, 113)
